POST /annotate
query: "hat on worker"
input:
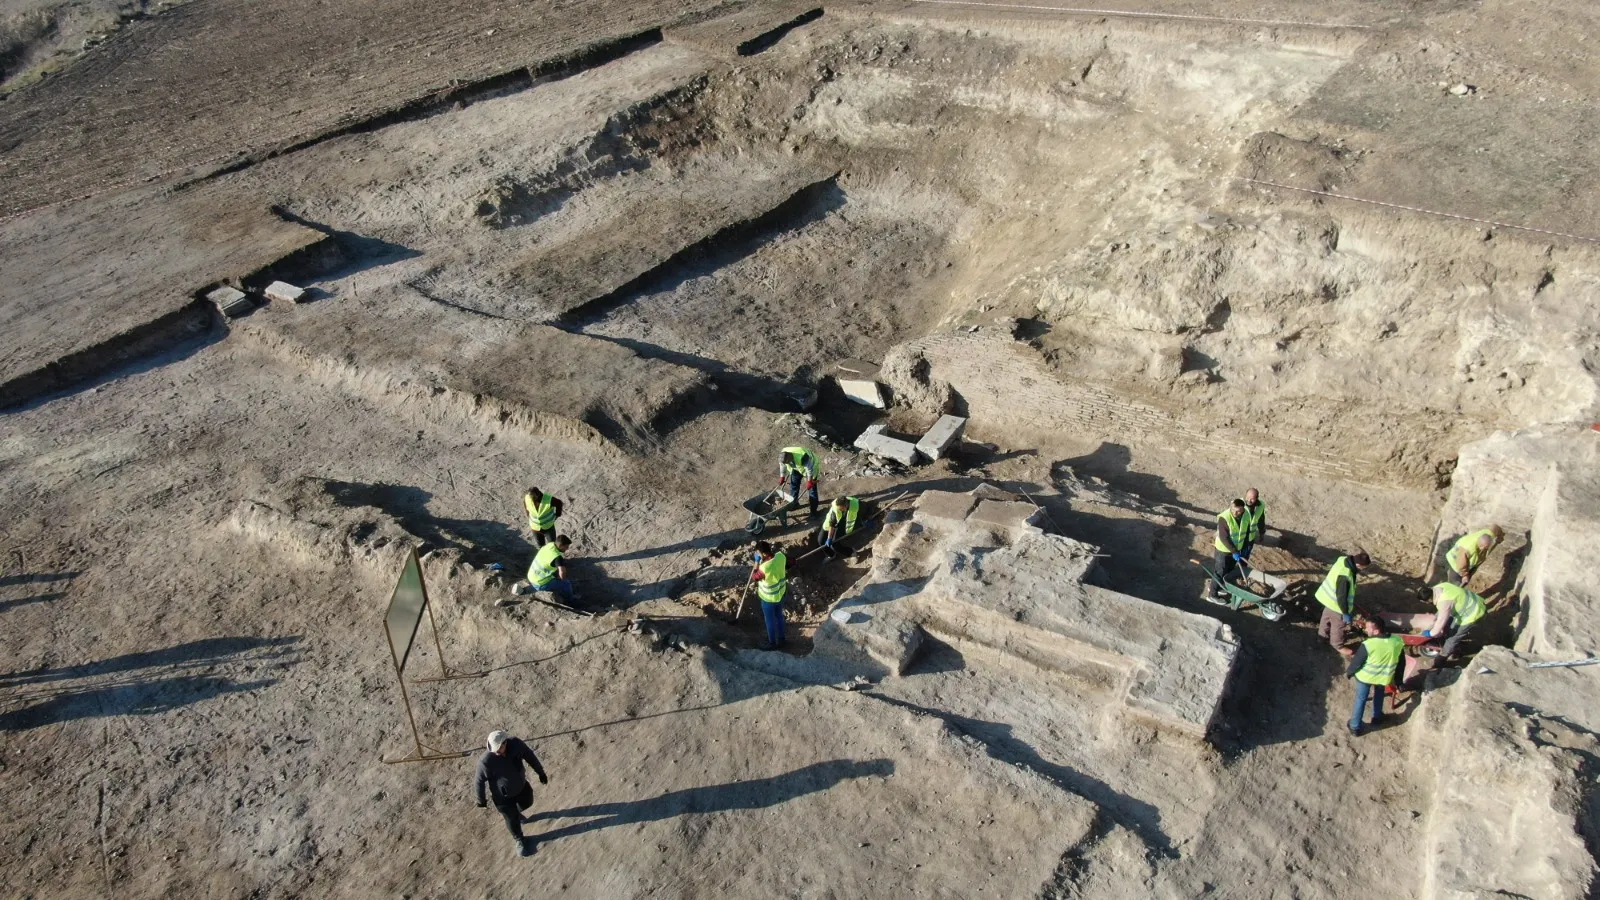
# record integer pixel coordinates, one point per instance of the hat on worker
(496, 738)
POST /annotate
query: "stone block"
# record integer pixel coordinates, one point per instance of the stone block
(1011, 516)
(943, 434)
(946, 505)
(858, 381)
(874, 441)
(284, 292)
(232, 302)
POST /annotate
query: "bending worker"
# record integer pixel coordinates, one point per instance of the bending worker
(543, 511)
(549, 569)
(797, 464)
(1469, 552)
(1459, 610)
(500, 770)
(840, 521)
(1255, 516)
(1232, 530)
(772, 573)
(1373, 666)
(1337, 594)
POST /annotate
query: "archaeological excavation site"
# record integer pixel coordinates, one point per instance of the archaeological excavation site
(900, 448)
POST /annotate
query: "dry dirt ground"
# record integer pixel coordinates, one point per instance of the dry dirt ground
(605, 248)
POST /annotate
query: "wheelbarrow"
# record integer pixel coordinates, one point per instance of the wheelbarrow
(763, 508)
(1239, 597)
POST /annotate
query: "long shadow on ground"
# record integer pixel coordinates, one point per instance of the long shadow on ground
(756, 793)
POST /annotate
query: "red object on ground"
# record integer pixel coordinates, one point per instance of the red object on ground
(1415, 640)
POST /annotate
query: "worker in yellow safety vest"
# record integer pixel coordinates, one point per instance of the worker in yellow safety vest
(549, 569)
(1469, 552)
(1374, 667)
(798, 467)
(1459, 610)
(771, 573)
(1233, 528)
(1255, 517)
(1337, 594)
(543, 510)
(841, 519)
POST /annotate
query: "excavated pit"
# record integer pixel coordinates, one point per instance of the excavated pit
(625, 273)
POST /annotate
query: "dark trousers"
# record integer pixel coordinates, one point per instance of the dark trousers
(795, 480)
(773, 614)
(540, 538)
(1453, 641)
(1223, 562)
(1245, 548)
(1332, 627)
(1363, 691)
(512, 809)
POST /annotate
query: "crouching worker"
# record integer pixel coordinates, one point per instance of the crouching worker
(500, 771)
(1374, 666)
(549, 569)
(1458, 612)
(844, 514)
(772, 576)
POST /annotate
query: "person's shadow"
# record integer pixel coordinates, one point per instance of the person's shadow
(757, 793)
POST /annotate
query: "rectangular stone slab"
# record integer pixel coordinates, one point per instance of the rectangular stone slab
(944, 434)
(283, 291)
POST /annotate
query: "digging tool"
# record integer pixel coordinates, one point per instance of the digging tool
(881, 510)
(1566, 664)
(744, 595)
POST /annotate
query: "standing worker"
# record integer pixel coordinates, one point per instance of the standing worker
(840, 521)
(1469, 552)
(1255, 515)
(1337, 594)
(1373, 666)
(543, 511)
(549, 569)
(797, 464)
(1459, 610)
(1232, 529)
(500, 770)
(772, 571)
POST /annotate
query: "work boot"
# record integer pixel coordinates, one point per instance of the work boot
(1356, 730)
(525, 846)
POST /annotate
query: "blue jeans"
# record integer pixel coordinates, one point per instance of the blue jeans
(559, 586)
(795, 480)
(773, 614)
(1363, 690)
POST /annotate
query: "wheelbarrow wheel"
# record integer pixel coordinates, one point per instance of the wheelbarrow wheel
(756, 525)
(1272, 612)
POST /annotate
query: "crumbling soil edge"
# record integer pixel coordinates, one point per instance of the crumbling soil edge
(195, 319)
(512, 81)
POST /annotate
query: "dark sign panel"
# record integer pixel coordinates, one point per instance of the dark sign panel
(405, 611)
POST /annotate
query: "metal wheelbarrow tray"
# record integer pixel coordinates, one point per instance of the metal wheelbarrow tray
(1240, 597)
(766, 507)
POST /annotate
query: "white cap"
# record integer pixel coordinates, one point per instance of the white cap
(496, 738)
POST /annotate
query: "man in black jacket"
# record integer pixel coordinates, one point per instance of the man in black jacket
(500, 770)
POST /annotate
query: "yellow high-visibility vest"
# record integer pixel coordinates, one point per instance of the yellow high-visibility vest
(541, 515)
(849, 516)
(1328, 592)
(1466, 555)
(1253, 517)
(1466, 606)
(1383, 659)
(798, 459)
(545, 562)
(1238, 529)
(774, 579)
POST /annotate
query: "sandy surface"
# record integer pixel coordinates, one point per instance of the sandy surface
(614, 272)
